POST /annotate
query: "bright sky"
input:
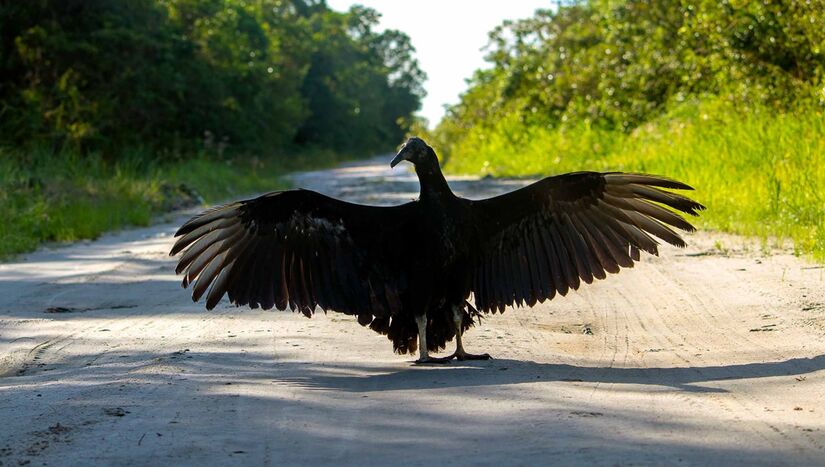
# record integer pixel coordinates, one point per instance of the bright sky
(448, 36)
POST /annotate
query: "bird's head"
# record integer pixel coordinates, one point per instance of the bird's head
(415, 150)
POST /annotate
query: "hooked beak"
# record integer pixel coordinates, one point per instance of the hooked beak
(401, 156)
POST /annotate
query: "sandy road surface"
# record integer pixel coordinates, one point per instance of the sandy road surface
(694, 357)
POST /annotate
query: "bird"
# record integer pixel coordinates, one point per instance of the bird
(423, 272)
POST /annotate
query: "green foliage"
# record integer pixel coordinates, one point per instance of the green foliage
(178, 75)
(60, 197)
(616, 64)
(725, 95)
(359, 91)
(759, 174)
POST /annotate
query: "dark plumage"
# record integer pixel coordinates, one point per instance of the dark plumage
(406, 269)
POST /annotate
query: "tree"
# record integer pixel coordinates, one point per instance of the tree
(100, 75)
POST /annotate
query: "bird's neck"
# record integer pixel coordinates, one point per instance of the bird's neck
(432, 181)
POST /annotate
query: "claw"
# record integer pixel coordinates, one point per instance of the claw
(433, 360)
(469, 356)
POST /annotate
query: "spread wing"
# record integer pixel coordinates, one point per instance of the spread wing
(548, 237)
(296, 248)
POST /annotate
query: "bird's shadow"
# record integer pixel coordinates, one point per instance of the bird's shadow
(508, 372)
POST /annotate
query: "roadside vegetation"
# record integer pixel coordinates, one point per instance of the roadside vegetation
(112, 112)
(727, 96)
(67, 197)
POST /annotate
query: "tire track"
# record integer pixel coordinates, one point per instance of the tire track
(704, 305)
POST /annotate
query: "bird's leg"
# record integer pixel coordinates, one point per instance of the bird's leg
(423, 354)
(460, 354)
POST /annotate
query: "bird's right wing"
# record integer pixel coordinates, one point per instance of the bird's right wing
(548, 237)
(295, 248)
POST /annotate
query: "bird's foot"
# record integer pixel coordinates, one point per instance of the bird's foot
(433, 360)
(469, 356)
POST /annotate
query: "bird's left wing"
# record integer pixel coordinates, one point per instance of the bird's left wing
(548, 237)
(295, 248)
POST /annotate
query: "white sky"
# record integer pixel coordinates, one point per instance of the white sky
(448, 36)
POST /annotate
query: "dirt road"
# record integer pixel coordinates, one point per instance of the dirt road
(698, 357)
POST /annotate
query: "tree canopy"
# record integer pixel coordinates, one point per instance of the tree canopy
(251, 75)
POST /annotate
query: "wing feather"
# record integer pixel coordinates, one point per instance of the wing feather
(558, 268)
(596, 243)
(219, 287)
(617, 246)
(548, 237)
(585, 264)
(569, 278)
(296, 248)
(524, 264)
(542, 265)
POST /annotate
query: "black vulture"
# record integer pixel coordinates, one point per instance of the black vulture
(408, 271)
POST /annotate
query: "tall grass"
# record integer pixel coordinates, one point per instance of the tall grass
(48, 197)
(759, 172)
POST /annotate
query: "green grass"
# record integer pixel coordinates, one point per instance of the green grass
(46, 197)
(760, 173)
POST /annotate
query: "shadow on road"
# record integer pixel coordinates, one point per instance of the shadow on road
(286, 368)
(506, 372)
